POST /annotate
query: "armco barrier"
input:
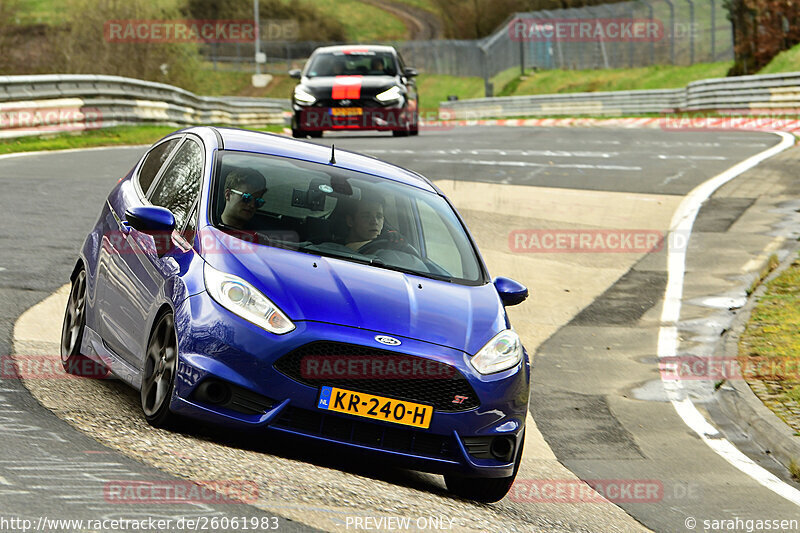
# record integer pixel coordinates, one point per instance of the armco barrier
(32, 105)
(607, 103)
(770, 92)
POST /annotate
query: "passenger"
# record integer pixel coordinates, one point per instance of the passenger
(244, 188)
(338, 68)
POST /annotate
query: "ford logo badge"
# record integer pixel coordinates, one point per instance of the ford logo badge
(389, 341)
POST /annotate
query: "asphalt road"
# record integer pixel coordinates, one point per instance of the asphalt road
(51, 201)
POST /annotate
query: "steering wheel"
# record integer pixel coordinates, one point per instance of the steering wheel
(375, 246)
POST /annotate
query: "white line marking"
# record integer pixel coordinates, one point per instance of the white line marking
(693, 157)
(530, 164)
(1, 269)
(506, 152)
(4, 481)
(682, 222)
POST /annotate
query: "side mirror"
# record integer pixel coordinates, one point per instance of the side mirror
(511, 292)
(295, 73)
(410, 72)
(150, 219)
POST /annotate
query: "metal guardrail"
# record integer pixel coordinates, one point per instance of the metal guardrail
(32, 105)
(607, 103)
(743, 93)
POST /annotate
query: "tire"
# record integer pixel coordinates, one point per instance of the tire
(484, 490)
(299, 134)
(316, 134)
(415, 128)
(158, 373)
(400, 133)
(73, 361)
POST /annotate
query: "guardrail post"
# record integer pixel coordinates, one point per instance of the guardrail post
(488, 90)
(671, 31)
(713, 32)
(691, 32)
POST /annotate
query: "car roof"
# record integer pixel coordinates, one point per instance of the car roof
(354, 47)
(278, 145)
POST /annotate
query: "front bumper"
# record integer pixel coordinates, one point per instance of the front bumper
(217, 345)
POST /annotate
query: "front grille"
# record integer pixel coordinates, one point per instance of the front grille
(424, 384)
(370, 434)
(362, 102)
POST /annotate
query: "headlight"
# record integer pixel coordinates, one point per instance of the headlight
(504, 351)
(389, 95)
(303, 97)
(239, 297)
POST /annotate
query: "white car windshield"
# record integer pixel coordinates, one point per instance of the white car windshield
(352, 63)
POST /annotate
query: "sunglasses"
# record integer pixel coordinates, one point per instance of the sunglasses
(247, 198)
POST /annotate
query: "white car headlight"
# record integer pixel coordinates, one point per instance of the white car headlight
(504, 351)
(303, 97)
(389, 95)
(239, 297)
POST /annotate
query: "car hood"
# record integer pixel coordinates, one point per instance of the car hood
(336, 291)
(366, 86)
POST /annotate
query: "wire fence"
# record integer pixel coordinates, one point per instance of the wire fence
(684, 32)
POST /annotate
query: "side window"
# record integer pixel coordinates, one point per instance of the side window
(152, 163)
(401, 63)
(180, 184)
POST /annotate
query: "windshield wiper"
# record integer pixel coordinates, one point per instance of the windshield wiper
(375, 261)
(312, 249)
(380, 264)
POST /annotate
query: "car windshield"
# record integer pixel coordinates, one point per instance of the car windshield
(329, 211)
(352, 63)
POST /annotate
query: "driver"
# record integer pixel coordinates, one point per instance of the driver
(365, 226)
(377, 66)
(364, 223)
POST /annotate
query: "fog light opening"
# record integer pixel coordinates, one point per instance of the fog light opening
(214, 392)
(502, 448)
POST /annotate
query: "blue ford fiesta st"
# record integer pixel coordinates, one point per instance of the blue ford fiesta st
(256, 281)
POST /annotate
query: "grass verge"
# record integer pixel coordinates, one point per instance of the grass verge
(362, 22)
(121, 135)
(769, 348)
(576, 81)
(786, 61)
